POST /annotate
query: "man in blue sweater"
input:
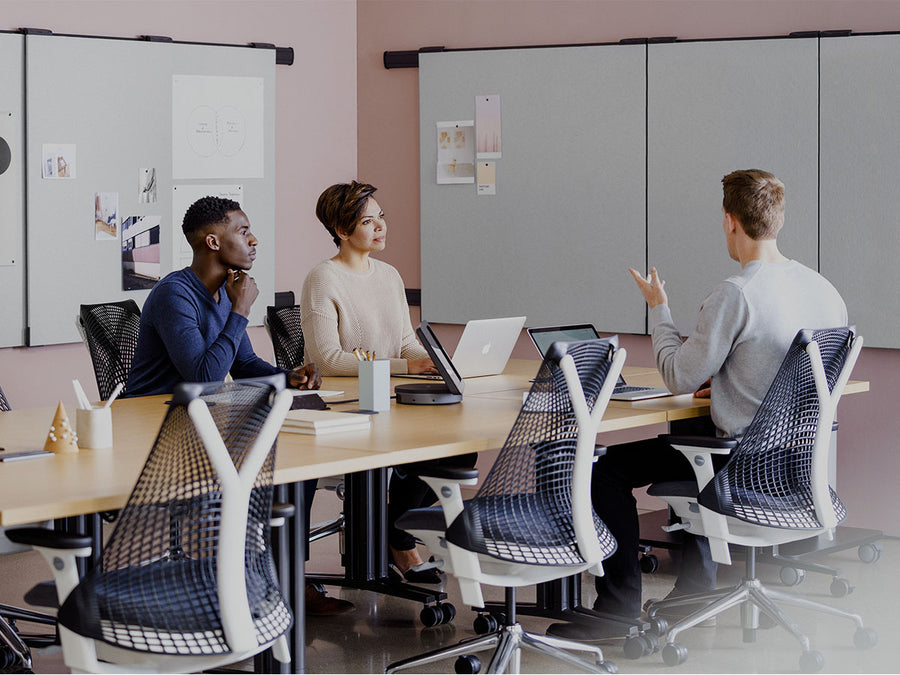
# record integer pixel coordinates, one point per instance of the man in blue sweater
(194, 322)
(194, 326)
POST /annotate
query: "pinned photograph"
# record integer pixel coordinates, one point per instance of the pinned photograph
(58, 160)
(147, 191)
(456, 152)
(487, 125)
(106, 215)
(140, 252)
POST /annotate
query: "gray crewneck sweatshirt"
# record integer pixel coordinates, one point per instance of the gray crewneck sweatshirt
(743, 331)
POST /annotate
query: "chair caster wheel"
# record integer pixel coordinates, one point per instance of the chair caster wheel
(659, 625)
(791, 576)
(841, 587)
(812, 661)
(674, 654)
(649, 563)
(484, 624)
(467, 664)
(869, 553)
(448, 612)
(636, 647)
(865, 638)
(608, 667)
(431, 616)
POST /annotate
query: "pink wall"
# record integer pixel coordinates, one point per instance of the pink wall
(316, 132)
(388, 154)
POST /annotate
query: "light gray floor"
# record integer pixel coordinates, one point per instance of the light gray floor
(384, 629)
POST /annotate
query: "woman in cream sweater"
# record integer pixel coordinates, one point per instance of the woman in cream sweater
(353, 301)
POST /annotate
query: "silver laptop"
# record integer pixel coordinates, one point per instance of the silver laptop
(544, 337)
(484, 347)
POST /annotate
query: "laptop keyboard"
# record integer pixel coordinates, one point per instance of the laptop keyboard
(627, 389)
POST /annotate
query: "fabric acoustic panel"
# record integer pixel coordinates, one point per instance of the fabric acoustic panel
(115, 105)
(567, 219)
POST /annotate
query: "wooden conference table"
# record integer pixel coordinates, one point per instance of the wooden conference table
(92, 481)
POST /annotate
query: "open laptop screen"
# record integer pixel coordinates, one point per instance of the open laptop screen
(544, 337)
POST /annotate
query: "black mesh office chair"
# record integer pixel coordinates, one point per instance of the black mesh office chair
(772, 490)
(187, 581)
(15, 645)
(286, 333)
(110, 332)
(283, 326)
(532, 520)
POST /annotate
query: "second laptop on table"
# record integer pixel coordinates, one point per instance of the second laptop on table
(544, 337)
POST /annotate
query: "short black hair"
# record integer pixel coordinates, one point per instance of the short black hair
(207, 211)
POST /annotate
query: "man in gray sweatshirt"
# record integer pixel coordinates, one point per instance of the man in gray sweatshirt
(743, 331)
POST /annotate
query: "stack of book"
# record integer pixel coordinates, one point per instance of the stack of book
(324, 422)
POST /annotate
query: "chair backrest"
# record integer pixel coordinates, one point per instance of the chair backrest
(4, 403)
(283, 324)
(188, 569)
(771, 477)
(531, 508)
(110, 331)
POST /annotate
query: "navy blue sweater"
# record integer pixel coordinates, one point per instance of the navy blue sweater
(186, 336)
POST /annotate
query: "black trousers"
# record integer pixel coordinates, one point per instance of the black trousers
(615, 475)
(407, 491)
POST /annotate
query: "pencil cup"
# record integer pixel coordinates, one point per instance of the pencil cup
(375, 384)
(94, 427)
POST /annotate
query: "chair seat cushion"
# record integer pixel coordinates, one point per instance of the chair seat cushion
(530, 528)
(165, 607)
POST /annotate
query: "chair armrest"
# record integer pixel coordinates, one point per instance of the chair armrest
(715, 446)
(282, 510)
(450, 473)
(699, 450)
(39, 536)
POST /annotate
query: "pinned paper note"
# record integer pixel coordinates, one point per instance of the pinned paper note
(486, 178)
(61, 437)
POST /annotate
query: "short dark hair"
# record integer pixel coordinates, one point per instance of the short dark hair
(206, 211)
(341, 206)
(756, 197)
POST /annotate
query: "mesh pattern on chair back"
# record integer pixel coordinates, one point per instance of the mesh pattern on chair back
(767, 478)
(523, 511)
(155, 587)
(112, 334)
(4, 404)
(287, 335)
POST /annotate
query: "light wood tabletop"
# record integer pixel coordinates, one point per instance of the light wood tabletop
(101, 480)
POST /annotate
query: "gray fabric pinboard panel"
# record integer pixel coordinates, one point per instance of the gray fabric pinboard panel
(860, 158)
(12, 191)
(113, 100)
(567, 219)
(714, 107)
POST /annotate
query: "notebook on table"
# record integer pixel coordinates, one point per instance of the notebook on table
(544, 337)
(484, 347)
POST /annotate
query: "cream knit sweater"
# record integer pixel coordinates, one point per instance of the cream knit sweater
(343, 310)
